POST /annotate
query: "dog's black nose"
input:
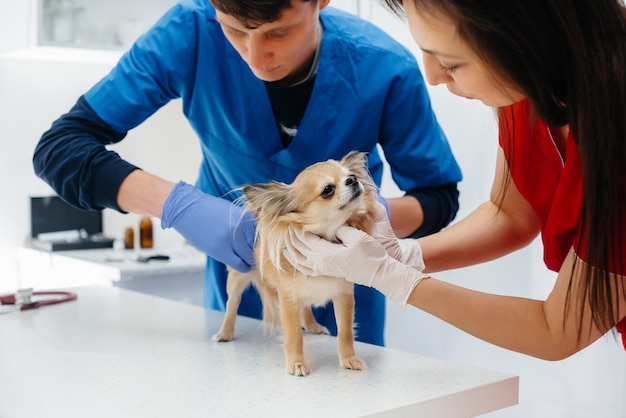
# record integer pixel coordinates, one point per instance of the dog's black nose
(351, 180)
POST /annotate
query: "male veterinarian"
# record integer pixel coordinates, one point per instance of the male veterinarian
(269, 87)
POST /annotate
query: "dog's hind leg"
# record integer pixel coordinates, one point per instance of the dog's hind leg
(344, 313)
(269, 299)
(235, 285)
(309, 323)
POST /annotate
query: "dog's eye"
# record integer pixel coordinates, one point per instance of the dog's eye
(328, 191)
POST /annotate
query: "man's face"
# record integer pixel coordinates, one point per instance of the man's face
(279, 50)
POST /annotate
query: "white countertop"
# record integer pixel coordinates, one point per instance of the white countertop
(121, 265)
(116, 352)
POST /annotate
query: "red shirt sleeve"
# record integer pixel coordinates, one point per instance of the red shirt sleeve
(551, 181)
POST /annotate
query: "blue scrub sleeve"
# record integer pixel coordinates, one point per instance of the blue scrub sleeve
(72, 158)
(440, 205)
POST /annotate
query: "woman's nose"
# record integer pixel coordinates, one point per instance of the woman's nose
(432, 71)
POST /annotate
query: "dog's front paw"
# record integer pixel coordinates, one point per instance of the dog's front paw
(222, 336)
(298, 368)
(352, 363)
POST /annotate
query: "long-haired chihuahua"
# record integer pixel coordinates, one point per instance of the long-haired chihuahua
(322, 198)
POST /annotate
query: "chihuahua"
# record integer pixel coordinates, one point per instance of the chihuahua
(322, 198)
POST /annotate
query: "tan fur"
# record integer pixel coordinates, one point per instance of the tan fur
(285, 292)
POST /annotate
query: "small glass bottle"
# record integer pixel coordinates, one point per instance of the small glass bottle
(118, 243)
(145, 233)
(129, 238)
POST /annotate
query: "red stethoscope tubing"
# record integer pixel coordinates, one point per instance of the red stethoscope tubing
(63, 297)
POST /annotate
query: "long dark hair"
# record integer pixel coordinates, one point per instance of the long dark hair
(569, 58)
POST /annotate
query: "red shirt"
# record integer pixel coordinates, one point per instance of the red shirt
(552, 184)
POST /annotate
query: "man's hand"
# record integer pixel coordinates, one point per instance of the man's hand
(215, 226)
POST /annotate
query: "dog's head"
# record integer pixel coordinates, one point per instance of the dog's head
(323, 197)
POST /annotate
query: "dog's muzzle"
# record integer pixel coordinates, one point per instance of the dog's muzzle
(355, 187)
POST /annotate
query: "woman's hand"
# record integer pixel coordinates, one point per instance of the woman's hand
(407, 251)
(359, 258)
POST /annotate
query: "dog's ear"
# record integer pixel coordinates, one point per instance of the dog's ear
(354, 161)
(268, 199)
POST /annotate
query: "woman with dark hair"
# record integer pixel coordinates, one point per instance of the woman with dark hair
(555, 70)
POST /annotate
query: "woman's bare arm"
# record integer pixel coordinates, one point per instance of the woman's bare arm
(543, 329)
(487, 233)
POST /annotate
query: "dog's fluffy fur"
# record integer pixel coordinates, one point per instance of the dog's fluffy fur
(322, 198)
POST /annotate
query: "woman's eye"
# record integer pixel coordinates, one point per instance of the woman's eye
(448, 70)
(328, 191)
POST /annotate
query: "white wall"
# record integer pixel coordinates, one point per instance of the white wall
(15, 24)
(36, 90)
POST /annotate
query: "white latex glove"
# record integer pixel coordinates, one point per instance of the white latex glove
(359, 258)
(407, 251)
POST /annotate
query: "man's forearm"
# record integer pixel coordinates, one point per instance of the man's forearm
(143, 193)
(405, 215)
(424, 211)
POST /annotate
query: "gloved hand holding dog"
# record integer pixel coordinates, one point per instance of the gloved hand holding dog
(361, 259)
(406, 251)
(213, 225)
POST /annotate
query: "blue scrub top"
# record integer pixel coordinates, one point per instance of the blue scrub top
(368, 91)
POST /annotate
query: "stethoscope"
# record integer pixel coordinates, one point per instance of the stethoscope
(22, 300)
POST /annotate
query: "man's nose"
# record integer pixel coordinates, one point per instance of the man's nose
(258, 53)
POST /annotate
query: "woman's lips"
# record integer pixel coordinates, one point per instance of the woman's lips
(460, 94)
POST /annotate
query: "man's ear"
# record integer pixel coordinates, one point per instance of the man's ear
(323, 3)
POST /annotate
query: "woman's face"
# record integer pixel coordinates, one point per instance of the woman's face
(449, 60)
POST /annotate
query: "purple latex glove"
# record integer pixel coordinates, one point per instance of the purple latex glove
(215, 226)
